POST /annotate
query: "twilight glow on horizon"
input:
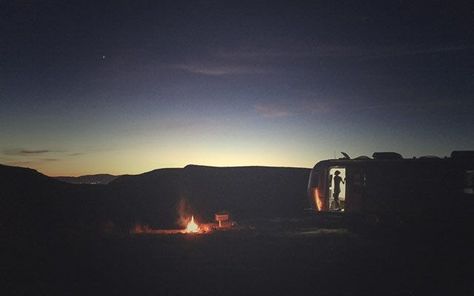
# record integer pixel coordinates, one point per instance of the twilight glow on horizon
(125, 88)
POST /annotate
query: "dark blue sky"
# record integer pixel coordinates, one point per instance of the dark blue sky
(129, 86)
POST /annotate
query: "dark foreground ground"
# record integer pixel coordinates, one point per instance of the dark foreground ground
(282, 259)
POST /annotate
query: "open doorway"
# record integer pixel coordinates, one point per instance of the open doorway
(337, 188)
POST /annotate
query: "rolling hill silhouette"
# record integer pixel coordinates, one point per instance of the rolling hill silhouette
(246, 192)
(32, 202)
(88, 179)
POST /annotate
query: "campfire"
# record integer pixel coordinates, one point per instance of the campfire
(192, 227)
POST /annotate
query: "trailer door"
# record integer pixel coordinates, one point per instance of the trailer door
(355, 189)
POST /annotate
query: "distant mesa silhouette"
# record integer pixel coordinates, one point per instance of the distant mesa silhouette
(34, 203)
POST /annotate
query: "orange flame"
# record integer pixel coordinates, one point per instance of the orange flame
(318, 199)
(192, 227)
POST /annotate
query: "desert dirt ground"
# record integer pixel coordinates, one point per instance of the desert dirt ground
(270, 260)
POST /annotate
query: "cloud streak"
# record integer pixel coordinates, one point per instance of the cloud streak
(26, 151)
(49, 159)
(275, 110)
(220, 69)
(272, 111)
(255, 61)
(38, 152)
(328, 50)
(34, 151)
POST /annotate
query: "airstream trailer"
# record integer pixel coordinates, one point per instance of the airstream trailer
(389, 185)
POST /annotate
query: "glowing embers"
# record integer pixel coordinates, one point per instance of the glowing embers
(192, 226)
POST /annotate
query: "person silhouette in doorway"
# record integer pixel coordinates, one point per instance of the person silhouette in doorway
(337, 189)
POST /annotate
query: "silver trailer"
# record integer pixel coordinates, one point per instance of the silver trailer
(388, 185)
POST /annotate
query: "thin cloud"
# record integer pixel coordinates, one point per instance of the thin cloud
(302, 107)
(219, 70)
(37, 153)
(26, 151)
(247, 61)
(34, 151)
(328, 50)
(262, 53)
(49, 159)
(272, 111)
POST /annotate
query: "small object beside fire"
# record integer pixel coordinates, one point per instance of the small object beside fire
(223, 220)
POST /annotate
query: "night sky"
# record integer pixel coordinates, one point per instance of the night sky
(129, 86)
